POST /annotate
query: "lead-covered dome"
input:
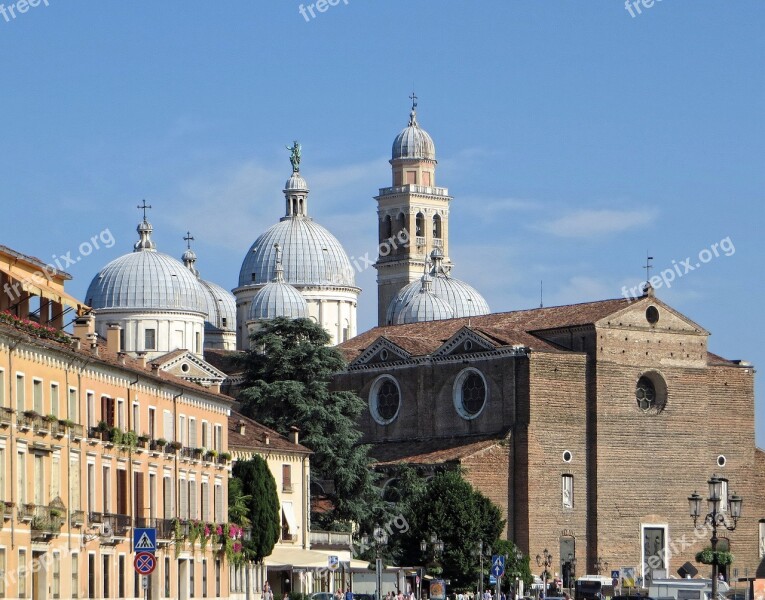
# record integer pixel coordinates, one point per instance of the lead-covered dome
(413, 141)
(425, 306)
(311, 255)
(462, 298)
(146, 279)
(220, 304)
(277, 298)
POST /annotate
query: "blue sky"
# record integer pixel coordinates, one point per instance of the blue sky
(573, 136)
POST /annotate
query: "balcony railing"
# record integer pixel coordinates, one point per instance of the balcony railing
(26, 512)
(76, 432)
(414, 189)
(331, 539)
(77, 518)
(46, 521)
(118, 524)
(6, 416)
(7, 508)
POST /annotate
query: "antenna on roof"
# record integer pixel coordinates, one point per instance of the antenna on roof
(541, 302)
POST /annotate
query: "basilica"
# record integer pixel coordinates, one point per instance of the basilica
(588, 424)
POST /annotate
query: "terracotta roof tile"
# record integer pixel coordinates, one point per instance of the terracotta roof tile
(432, 451)
(506, 328)
(255, 435)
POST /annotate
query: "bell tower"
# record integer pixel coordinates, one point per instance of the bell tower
(413, 214)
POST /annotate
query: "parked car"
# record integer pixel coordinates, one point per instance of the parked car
(322, 596)
(363, 597)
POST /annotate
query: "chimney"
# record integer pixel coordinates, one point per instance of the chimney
(294, 435)
(240, 427)
(155, 367)
(113, 334)
(92, 340)
(268, 440)
(84, 326)
(121, 357)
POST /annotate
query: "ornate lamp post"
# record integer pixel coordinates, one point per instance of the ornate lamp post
(546, 561)
(378, 542)
(479, 551)
(518, 572)
(715, 517)
(437, 548)
(600, 565)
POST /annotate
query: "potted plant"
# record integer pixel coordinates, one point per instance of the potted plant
(176, 445)
(211, 454)
(161, 442)
(115, 435)
(225, 456)
(31, 414)
(51, 418)
(142, 440)
(129, 439)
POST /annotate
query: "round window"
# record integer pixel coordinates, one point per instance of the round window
(383, 354)
(384, 400)
(721, 461)
(567, 456)
(185, 368)
(470, 393)
(652, 315)
(651, 393)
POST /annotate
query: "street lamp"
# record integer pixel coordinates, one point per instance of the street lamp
(546, 561)
(437, 547)
(715, 517)
(600, 565)
(479, 551)
(378, 542)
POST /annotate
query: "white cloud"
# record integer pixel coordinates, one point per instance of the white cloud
(594, 223)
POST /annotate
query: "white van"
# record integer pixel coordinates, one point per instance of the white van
(684, 589)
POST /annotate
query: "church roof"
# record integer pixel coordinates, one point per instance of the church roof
(505, 329)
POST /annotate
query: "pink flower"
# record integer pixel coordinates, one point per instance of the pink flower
(207, 530)
(237, 547)
(219, 530)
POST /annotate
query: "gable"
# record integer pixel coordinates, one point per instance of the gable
(465, 341)
(189, 366)
(636, 315)
(382, 351)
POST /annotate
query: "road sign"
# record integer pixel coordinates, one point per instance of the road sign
(614, 575)
(492, 580)
(144, 539)
(628, 576)
(145, 563)
(498, 565)
(333, 562)
(145, 582)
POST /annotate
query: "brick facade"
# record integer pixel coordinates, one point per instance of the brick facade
(561, 402)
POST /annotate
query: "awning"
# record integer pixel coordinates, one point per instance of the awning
(289, 516)
(296, 557)
(39, 286)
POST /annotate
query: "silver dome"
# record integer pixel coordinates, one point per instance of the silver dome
(311, 255)
(220, 304)
(463, 299)
(413, 141)
(146, 279)
(221, 307)
(277, 299)
(425, 306)
(296, 183)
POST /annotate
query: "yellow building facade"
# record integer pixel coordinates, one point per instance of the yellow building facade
(94, 444)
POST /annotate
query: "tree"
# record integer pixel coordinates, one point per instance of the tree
(252, 486)
(287, 384)
(514, 568)
(453, 510)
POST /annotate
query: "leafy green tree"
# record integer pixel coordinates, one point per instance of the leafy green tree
(287, 384)
(253, 498)
(453, 510)
(515, 568)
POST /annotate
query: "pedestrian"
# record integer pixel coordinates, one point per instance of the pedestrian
(348, 594)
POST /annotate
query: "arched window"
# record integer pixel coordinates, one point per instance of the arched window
(437, 227)
(420, 225)
(387, 228)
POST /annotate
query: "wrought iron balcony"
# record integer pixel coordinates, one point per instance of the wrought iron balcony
(77, 518)
(118, 524)
(46, 521)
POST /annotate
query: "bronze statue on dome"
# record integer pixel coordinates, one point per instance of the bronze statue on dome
(295, 156)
